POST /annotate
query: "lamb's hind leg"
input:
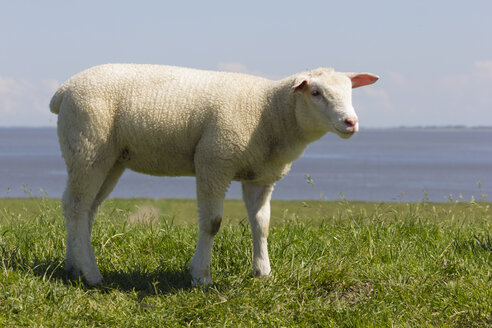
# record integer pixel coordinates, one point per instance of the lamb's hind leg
(81, 195)
(80, 259)
(257, 200)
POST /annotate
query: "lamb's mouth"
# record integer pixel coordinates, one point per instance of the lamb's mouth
(344, 133)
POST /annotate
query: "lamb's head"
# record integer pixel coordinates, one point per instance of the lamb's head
(324, 101)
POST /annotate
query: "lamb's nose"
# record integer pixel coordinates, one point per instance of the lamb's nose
(350, 123)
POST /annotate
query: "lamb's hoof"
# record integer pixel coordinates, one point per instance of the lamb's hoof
(200, 275)
(91, 280)
(258, 275)
(202, 281)
(95, 283)
(261, 270)
(94, 279)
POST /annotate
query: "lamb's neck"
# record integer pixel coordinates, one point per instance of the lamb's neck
(283, 102)
(283, 125)
(281, 109)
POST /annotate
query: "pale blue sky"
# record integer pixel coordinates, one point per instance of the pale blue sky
(434, 57)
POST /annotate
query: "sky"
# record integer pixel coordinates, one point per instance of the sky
(434, 58)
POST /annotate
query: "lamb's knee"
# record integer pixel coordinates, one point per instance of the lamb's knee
(211, 226)
(210, 216)
(214, 225)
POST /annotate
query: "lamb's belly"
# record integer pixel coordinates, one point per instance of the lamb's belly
(267, 174)
(161, 163)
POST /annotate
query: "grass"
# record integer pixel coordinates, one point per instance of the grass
(334, 264)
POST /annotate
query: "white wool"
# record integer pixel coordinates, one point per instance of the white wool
(172, 121)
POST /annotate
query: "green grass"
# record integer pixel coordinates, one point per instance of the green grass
(334, 264)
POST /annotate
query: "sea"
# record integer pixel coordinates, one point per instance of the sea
(381, 165)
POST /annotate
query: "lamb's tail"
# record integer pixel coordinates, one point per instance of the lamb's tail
(57, 99)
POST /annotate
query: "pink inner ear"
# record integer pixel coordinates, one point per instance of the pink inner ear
(362, 79)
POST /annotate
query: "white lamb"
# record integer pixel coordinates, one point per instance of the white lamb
(173, 121)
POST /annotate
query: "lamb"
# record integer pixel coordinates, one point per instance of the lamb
(172, 121)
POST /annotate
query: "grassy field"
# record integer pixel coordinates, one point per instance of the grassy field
(334, 264)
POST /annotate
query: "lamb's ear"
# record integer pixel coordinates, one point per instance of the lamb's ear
(362, 79)
(300, 83)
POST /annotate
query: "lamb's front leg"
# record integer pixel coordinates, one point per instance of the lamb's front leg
(210, 209)
(257, 200)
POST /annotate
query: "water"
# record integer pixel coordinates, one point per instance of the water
(374, 165)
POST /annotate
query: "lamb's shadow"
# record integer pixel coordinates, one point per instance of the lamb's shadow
(159, 281)
(51, 269)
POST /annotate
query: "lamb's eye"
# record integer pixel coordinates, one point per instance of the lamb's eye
(315, 93)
